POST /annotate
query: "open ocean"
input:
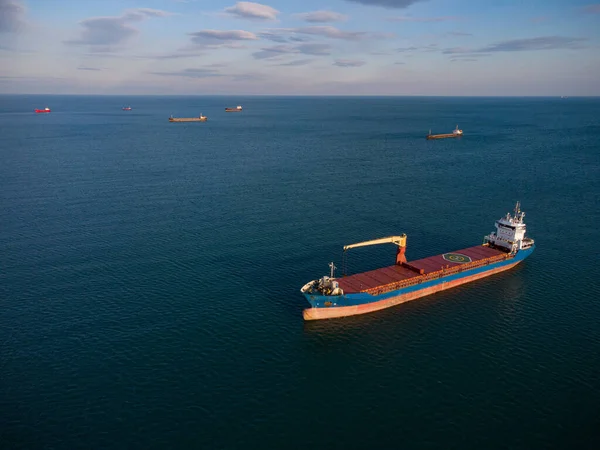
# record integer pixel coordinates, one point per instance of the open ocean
(150, 273)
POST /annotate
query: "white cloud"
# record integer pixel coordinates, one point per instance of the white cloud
(250, 10)
(331, 32)
(208, 36)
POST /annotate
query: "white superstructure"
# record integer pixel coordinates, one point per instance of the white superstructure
(510, 232)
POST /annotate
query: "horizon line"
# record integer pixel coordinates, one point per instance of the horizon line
(305, 95)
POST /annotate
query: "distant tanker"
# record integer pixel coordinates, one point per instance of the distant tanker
(454, 134)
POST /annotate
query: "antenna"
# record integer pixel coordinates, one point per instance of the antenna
(332, 266)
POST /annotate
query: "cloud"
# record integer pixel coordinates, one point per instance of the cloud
(328, 31)
(141, 13)
(422, 19)
(218, 36)
(539, 43)
(210, 72)
(93, 69)
(298, 39)
(422, 48)
(313, 49)
(240, 77)
(271, 36)
(281, 36)
(461, 52)
(174, 55)
(515, 45)
(305, 49)
(102, 33)
(322, 16)
(215, 39)
(249, 10)
(465, 55)
(388, 3)
(190, 73)
(592, 9)
(348, 63)
(12, 15)
(332, 32)
(297, 62)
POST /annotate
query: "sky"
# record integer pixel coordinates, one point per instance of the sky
(309, 47)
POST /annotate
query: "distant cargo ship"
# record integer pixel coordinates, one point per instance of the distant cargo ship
(45, 110)
(455, 133)
(236, 109)
(200, 118)
(366, 292)
(126, 108)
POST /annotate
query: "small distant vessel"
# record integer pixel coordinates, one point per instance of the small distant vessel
(45, 110)
(236, 109)
(200, 118)
(455, 133)
(126, 108)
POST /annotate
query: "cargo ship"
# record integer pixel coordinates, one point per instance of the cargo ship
(236, 109)
(454, 134)
(200, 118)
(126, 108)
(502, 249)
(45, 110)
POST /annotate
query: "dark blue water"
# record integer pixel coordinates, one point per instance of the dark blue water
(150, 273)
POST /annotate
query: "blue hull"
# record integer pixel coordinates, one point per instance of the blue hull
(357, 299)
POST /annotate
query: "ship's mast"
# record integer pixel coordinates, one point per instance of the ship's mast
(332, 267)
(518, 214)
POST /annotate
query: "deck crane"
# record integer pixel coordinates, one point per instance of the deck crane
(400, 241)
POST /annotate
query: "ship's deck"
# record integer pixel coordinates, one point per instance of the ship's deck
(392, 274)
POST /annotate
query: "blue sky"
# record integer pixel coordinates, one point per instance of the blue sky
(284, 47)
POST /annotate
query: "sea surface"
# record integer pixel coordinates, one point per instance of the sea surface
(150, 273)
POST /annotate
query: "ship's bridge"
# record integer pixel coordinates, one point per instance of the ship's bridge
(510, 232)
